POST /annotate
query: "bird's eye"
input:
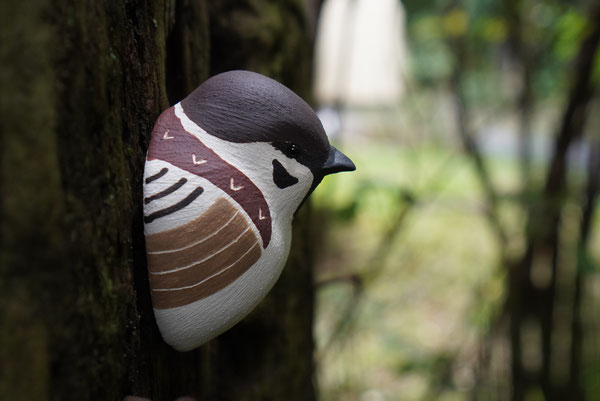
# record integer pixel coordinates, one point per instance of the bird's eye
(291, 150)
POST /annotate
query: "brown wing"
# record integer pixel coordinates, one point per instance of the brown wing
(197, 259)
(172, 143)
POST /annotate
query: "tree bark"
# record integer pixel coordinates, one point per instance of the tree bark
(82, 84)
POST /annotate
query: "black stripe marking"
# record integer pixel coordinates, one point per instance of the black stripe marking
(157, 175)
(172, 209)
(166, 192)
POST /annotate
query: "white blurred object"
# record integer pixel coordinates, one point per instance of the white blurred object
(372, 395)
(361, 53)
(331, 121)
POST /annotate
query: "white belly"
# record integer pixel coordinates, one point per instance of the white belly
(189, 324)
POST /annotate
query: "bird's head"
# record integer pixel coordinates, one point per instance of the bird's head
(271, 132)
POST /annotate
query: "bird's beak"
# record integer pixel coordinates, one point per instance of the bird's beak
(336, 162)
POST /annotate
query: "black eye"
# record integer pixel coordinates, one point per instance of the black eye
(291, 149)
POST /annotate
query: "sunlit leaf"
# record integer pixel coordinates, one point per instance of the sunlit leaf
(455, 23)
(494, 30)
(570, 29)
(427, 28)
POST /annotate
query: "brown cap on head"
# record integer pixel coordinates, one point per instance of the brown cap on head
(243, 106)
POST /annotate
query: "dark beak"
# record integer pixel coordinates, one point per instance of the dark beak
(336, 162)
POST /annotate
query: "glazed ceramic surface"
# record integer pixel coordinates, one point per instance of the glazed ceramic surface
(225, 171)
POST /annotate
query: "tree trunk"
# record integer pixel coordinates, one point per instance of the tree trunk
(82, 84)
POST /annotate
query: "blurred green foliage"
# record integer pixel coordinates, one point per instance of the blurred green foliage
(554, 28)
(436, 291)
(412, 277)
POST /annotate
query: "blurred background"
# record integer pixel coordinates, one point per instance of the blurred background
(460, 260)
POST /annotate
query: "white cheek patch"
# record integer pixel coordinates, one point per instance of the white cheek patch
(255, 159)
(296, 169)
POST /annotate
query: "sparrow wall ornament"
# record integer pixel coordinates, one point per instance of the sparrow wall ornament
(226, 169)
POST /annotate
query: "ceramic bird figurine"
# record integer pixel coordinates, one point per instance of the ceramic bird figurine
(226, 169)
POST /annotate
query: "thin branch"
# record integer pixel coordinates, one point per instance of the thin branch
(345, 319)
(575, 114)
(470, 145)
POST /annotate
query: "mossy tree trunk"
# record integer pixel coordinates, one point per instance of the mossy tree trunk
(82, 84)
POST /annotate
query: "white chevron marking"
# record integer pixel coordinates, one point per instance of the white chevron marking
(196, 161)
(233, 186)
(260, 215)
(166, 135)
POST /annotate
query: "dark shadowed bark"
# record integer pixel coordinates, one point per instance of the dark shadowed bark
(82, 84)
